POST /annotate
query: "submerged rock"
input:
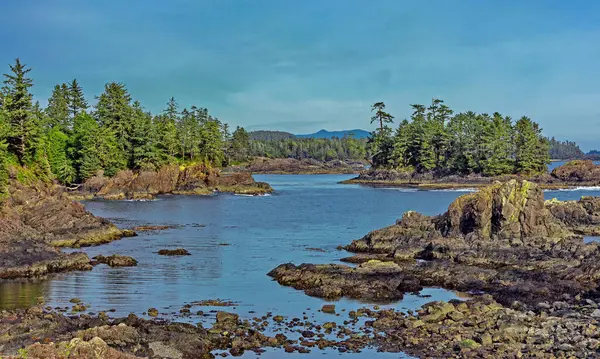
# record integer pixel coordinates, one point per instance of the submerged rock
(116, 260)
(174, 252)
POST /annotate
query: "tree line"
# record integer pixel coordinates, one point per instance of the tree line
(322, 149)
(564, 150)
(71, 141)
(436, 140)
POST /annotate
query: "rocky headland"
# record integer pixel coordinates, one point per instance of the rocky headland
(578, 173)
(37, 217)
(294, 166)
(171, 179)
(526, 254)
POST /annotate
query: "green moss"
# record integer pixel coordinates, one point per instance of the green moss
(98, 237)
(468, 344)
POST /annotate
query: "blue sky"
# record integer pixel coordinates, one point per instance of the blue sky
(303, 65)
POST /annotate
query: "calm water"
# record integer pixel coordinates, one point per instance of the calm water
(555, 164)
(234, 242)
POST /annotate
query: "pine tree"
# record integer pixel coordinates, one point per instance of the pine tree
(240, 144)
(166, 130)
(17, 104)
(526, 146)
(85, 146)
(58, 108)
(212, 142)
(114, 113)
(145, 154)
(380, 115)
(77, 102)
(57, 151)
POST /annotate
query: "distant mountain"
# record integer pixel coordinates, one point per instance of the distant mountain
(269, 135)
(339, 134)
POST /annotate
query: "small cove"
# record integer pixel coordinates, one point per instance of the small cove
(235, 241)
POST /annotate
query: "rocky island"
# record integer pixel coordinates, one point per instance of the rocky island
(533, 280)
(577, 173)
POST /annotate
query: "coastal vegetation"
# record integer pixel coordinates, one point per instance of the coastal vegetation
(70, 141)
(321, 149)
(437, 140)
(565, 150)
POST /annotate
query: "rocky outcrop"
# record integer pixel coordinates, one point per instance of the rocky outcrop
(582, 216)
(36, 218)
(578, 171)
(541, 280)
(171, 179)
(573, 174)
(503, 240)
(295, 166)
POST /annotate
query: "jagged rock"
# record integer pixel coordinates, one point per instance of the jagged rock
(503, 240)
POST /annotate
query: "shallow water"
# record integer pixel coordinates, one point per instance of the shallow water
(234, 242)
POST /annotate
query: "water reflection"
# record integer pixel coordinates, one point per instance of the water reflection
(23, 294)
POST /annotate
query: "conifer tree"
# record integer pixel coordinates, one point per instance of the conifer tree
(114, 114)
(57, 148)
(240, 144)
(77, 102)
(58, 108)
(166, 130)
(145, 154)
(85, 146)
(17, 104)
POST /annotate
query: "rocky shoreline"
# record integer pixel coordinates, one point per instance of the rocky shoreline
(533, 283)
(525, 253)
(578, 173)
(37, 217)
(171, 179)
(295, 166)
(35, 220)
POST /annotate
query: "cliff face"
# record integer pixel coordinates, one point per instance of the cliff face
(172, 179)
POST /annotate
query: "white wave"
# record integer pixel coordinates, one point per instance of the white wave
(253, 195)
(455, 190)
(592, 188)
